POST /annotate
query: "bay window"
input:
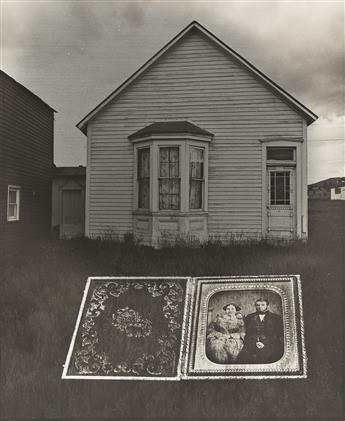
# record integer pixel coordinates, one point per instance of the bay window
(171, 181)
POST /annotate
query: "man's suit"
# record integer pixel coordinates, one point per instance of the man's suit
(270, 332)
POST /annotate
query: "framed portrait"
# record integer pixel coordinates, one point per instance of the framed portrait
(246, 327)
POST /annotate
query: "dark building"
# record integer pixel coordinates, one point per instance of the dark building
(26, 160)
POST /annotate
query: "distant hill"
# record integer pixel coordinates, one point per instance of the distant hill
(329, 183)
(322, 189)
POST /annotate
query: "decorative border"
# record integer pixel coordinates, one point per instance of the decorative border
(247, 371)
(65, 374)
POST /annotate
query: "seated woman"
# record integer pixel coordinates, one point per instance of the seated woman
(225, 336)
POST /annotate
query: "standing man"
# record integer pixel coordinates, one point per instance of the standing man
(264, 340)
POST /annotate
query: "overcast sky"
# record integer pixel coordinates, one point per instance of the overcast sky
(74, 53)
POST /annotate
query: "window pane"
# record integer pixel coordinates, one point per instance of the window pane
(280, 154)
(144, 178)
(143, 163)
(174, 154)
(169, 182)
(173, 169)
(197, 170)
(164, 186)
(196, 177)
(144, 193)
(12, 196)
(175, 202)
(163, 201)
(164, 154)
(280, 188)
(12, 211)
(174, 186)
(195, 198)
(164, 169)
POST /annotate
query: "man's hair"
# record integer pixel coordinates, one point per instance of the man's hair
(263, 299)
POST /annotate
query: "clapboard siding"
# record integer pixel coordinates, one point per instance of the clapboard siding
(197, 81)
(26, 159)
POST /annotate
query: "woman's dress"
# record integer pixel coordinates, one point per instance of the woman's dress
(225, 338)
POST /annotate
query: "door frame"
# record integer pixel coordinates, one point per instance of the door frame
(300, 163)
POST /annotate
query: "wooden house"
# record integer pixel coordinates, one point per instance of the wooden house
(68, 201)
(26, 159)
(197, 143)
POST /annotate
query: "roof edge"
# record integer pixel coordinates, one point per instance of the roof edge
(307, 114)
(26, 89)
(151, 60)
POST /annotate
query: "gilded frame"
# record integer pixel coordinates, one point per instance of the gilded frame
(293, 363)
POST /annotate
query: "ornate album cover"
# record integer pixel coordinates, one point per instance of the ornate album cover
(189, 328)
(128, 328)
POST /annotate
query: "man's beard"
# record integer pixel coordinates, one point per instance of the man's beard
(261, 311)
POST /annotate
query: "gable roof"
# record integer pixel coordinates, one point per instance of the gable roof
(168, 127)
(302, 110)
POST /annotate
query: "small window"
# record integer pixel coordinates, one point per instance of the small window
(196, 178)
(13, 203)
(169, 178)
(143, 177)
(280, 188)
(280, 154)
(337, 190)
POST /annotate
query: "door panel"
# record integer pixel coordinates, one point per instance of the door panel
(72, 214)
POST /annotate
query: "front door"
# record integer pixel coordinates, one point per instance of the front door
(281, 202)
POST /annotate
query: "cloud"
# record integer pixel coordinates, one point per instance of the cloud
(73, 54)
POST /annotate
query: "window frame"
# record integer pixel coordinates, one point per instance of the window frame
(16, 189)
(200, 180)
(160, 177)
(138, 179)
(282, 161)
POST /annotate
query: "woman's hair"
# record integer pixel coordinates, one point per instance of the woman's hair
(238, 308)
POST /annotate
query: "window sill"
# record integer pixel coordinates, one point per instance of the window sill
(169, 212)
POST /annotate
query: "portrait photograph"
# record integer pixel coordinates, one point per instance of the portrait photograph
(247, 327)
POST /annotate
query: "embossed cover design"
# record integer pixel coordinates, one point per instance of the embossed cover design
(129, 327)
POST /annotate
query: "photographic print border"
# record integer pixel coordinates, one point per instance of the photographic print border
(187, 303)
(292, 308)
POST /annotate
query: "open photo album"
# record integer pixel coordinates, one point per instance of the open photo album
(184, 328)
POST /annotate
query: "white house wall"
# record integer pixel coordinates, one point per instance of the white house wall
(195, 80)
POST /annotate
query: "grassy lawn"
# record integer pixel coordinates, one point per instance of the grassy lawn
(41, 290)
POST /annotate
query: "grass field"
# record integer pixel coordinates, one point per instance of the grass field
(41, 290)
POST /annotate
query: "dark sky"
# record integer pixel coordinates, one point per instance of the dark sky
(74, 53)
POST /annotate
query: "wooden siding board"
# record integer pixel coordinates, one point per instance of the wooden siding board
(199, 82)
